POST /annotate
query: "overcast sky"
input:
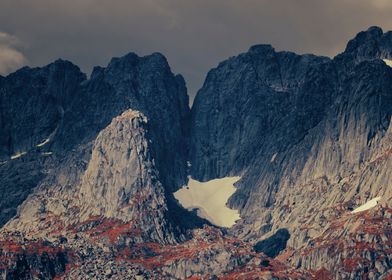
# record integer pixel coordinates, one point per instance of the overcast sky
(194, 35)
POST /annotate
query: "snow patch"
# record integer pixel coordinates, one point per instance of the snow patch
(388, 62)
(46, 141)
(210, 198)
(18, 155)
(53, 134)
(46, 153)
(368, 205)
(273, 157)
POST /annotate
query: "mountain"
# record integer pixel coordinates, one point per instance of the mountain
(88, 167)
(311, 138)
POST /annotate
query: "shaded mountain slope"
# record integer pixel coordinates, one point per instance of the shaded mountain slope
(304, 132)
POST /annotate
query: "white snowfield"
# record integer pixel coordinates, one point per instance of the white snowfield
(210, 198)
(388, 62)
(368, 205)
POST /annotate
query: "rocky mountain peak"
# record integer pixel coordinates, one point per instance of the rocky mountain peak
(261, 48)
(121, 154)
(127, 62)
(370, 44)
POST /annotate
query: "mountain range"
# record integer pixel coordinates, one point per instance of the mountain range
(91, 168)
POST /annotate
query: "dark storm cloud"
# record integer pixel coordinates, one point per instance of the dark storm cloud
(194, 34)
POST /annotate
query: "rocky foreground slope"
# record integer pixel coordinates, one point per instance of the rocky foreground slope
(88, 167)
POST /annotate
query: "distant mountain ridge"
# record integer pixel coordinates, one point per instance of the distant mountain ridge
(88, 167)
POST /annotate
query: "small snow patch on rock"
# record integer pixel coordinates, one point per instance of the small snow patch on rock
(43, 143)
(18, 155)
(368, 205)
(388, 62)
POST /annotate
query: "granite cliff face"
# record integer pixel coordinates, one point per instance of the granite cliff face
(311, 138)
(89, 166)
(33, 104)
(51, 112)
(107, 171)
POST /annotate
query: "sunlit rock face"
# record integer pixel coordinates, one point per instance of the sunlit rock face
(119, 159)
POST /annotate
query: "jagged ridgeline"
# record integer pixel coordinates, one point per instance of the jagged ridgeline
(88, 167)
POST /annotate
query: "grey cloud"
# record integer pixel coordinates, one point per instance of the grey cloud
(194, 35)
(10, 58)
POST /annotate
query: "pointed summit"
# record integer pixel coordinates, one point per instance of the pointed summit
(370, 44)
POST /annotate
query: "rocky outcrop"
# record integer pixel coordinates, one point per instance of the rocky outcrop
(273, 245)
(120, 185)
(209, 254)
(39, 259)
